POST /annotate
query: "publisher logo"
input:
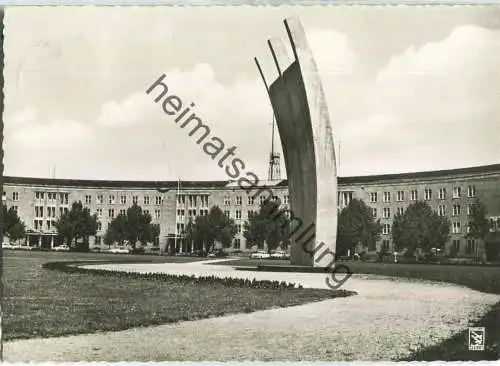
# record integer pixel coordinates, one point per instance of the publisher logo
(476, 339)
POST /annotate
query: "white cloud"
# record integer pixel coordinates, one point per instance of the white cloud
(239, 114)
(426, 109)
(136, 109)
(332, 52)
(444, 96)
(41, 145)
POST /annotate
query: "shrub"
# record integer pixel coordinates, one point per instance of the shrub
(71, 267)
(138, 250)
(369, 257)
(453, 252)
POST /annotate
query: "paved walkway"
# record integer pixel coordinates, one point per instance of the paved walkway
(386, 320)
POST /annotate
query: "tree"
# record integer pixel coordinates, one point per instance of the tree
(419, 227)
(89, 228)
(155, 233)
(479, 225)
(191, 233)
(133, 226)
(65, 228)
(223, 227)
(17, 231)
(255, 229)
(201, 233)
(399, 231)
(278, 223)
(205, 231)
(270, 225)
(138, 226)
(13, 226)
(77, 224)
(357, 227)
(117, 230)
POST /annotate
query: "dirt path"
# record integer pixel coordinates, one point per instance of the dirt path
(386, 320)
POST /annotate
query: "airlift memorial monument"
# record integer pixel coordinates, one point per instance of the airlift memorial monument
(300, 110)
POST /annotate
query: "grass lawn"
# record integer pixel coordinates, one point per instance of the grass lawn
(68, 256)
(40, 302)
(479, 278)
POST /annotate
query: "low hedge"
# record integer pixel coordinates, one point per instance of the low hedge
(72, 267)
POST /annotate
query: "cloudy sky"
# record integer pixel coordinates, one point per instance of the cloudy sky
(408, 88)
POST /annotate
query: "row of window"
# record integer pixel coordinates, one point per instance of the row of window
(442, 194)
(181, 227)
(146, 200)
(251, 200)
(193, 200)
(38, 224)
(441, 210)
(51, 197)
(238, 216)
(386, 228)
(181, 213)
(471, 245)
(237, 243)
(344, 197)
(111, 212)
(50, 212)
(455, 228)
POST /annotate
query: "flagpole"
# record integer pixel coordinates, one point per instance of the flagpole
(338, 168)
(177, 200)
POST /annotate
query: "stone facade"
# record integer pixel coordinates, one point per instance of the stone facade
(440, 189)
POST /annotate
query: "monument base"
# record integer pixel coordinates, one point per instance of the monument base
(292, 268)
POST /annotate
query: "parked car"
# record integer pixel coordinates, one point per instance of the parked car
(211, 255)
(260, 254)
(278, 254)
(27, 247)
(61, 248)
(119, 250)
(7, 246)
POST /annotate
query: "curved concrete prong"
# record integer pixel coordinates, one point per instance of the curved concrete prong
(274, 57)
(307, 140)
(261, 74)
(291, 37)
(281, 56)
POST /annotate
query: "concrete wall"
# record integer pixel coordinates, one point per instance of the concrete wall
(292, 116)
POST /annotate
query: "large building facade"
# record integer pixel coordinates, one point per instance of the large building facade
(40, 201)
